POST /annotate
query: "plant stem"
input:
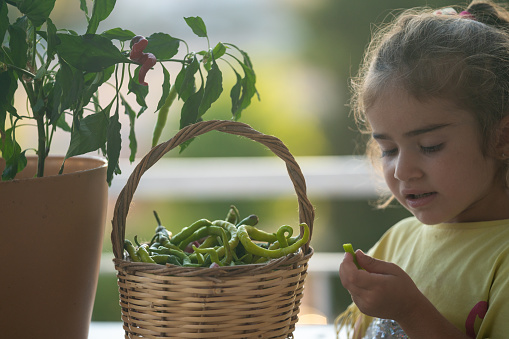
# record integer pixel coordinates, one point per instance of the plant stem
(41, 156)
(19, 69)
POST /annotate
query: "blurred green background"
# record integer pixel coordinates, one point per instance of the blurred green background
(303, 52)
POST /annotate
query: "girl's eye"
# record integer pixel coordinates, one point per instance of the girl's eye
(389, 152)
(432, 149)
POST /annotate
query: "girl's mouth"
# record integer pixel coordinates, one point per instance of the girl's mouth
(421, 199)
(419, 196)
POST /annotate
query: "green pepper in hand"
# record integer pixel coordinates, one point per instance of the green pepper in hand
(349, 248)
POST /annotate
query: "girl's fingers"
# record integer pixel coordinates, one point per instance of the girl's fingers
(373, 265)
(352, 277)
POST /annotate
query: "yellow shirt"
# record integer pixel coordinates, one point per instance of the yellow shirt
(462, 268)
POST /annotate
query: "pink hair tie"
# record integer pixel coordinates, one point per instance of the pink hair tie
(452, 11)
(467, 15)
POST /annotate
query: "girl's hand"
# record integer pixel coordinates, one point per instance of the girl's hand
(383, 290)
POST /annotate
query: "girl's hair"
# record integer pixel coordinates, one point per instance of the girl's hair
(460, 57)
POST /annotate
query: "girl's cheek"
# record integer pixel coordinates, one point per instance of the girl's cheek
(388, 168)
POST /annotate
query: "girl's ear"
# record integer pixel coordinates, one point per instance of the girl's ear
(502, 145)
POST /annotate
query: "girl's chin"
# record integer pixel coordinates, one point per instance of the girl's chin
(426, 217)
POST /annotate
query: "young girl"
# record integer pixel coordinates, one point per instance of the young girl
(434, 97)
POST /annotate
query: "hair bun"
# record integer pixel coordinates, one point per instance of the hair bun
(489, 13)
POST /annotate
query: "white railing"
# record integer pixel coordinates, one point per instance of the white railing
(209, 178)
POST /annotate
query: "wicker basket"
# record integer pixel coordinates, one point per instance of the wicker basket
(244, 301)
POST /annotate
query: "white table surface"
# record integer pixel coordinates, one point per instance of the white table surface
(113, 330)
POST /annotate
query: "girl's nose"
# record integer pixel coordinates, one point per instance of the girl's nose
(406, 167)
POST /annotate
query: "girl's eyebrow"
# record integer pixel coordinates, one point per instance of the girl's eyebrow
(413, 133)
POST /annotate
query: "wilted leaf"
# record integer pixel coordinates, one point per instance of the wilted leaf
(189, 113)
(213, 88)
(140, 91)
(113, 147)
(185, 81)
(133, 144)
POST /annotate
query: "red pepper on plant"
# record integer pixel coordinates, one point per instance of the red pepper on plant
(147, 60)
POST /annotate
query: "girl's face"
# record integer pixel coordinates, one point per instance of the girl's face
(433, 162)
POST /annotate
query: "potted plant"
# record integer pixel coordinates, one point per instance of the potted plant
(53, 249)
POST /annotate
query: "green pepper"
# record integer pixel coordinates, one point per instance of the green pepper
(163, 115)
(200, 233)
(164, 241)
(161, 258)
(224, 251)
(259, 235)
(210, 241)
(244, 233)
(161, 231)
(233, 215)
(349, 248)
(187, 231)
(211, 252)
(230, 244)
(282, 239)
(144, 255)
(184, 258)
(250, 220)
(131, 250)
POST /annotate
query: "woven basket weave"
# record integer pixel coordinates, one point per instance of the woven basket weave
(244, 301)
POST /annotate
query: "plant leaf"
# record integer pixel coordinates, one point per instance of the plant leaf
(166, 88)
(62, 124)
(243, 90)
(83, 6)
(15, 160)
(197, 25)
(14, 165)
(8, 84)
(4, 19)
(235, 94)
(245, 56)
(51, 38)
(140, 91)
(93, 81)
(189, 113)
(18, 44)
(118, 34)
(219, 50)
(114, 144)
(37, 11)
(133, 144)
(213, 89)
(90, 135)
(67, 90)
(90, 53)
(100, 11)
(162, 45)
(185, 80)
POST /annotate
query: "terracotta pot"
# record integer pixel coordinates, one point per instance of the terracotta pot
(52, 232)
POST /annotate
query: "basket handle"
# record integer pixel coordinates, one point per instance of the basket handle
(306, 210)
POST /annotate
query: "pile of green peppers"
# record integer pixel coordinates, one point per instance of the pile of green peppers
(233, 241)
